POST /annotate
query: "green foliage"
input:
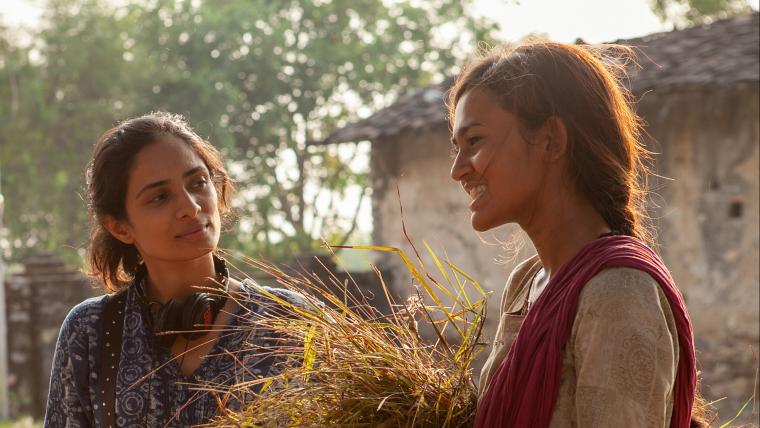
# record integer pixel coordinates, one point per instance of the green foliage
(685, 12)
(259, 78)
(61, 90)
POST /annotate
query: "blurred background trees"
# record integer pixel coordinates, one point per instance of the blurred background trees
(258, 78)
(688, 12)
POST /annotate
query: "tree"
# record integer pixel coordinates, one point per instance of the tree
(258, 78)
(685, 12)
(271, 76)
(64, 89)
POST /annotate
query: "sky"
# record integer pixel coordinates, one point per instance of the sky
(15, 12)
(594, 21)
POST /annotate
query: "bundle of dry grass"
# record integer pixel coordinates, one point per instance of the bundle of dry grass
(349, 365)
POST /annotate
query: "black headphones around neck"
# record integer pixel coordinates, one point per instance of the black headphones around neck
(187, 316)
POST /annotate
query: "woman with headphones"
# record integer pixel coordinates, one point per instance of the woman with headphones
(158, 195)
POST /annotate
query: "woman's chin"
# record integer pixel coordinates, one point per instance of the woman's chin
(480, 223)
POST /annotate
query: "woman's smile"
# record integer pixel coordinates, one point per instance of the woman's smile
(195, 233)
(477, 195)
(497, 167)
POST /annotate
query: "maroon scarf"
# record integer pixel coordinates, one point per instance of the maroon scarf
(524, 389)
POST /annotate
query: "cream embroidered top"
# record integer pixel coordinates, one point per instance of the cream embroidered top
(619, 364)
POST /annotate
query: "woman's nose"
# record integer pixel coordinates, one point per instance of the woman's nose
(461, 166)
(189, 206)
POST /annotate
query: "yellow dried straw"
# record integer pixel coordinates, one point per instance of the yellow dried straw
(343, 363)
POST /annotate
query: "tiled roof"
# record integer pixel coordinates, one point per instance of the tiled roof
(719, 54)
(722, 53)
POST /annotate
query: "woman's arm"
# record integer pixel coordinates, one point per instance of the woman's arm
(67, 405)
(625, 352)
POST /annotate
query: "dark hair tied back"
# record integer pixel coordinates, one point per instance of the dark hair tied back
(581, 85)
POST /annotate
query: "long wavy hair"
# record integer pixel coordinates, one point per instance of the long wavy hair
(607, 163)
(584, 86)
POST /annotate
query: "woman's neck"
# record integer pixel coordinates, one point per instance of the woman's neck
(564, 225)
(172, 279)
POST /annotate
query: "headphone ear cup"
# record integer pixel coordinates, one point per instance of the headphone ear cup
(200, 313)
(192, 315)
(168, 319)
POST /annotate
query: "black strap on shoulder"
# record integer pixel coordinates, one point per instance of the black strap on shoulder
(112, 323)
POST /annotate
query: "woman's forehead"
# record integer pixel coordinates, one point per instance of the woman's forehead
(166, 159)
(478, 106)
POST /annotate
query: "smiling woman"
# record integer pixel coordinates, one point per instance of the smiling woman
(141, 356)
(593, 331)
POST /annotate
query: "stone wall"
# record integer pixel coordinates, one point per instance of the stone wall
(706, 212)
(708, 224)
(435, 211)
(38, 300)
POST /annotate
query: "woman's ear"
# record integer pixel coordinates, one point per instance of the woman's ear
(554, 136)
(118, 229)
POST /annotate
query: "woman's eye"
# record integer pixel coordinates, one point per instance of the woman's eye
(472, 140)
(200, 183)
(158, 198)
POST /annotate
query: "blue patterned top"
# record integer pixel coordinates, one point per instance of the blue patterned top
(167, 398)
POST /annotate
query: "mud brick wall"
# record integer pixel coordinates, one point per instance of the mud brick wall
(37, 301)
